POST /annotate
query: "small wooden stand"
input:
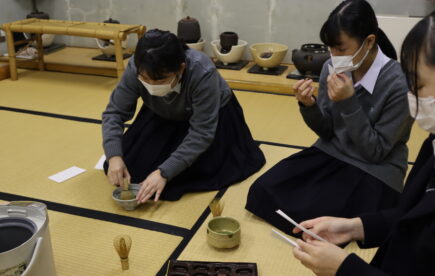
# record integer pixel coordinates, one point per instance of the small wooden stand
(116, 32)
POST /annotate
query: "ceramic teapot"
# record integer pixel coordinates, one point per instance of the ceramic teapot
(310, 58)
(189, 30)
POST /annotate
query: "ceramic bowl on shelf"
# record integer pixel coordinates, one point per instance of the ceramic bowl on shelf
(233, 56)
(268, 55)
(198, 45)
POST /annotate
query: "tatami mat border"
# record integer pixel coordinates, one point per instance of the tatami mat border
(104, 216)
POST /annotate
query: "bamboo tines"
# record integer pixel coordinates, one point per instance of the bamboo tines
(216, 207)
(126, 194)
(122, 245)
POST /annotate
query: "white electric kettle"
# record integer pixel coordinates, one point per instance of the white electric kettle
(25, 246)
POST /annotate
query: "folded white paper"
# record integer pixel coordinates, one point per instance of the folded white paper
(66, 174)
(317, 237)
(284, 238)
(99, 165)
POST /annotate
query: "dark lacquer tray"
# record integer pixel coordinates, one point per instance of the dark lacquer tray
(192, 268)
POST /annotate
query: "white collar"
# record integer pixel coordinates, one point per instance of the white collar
(177, 88)
(369, 79)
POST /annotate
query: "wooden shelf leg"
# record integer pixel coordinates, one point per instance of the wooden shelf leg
(11, 54)
(40, 48)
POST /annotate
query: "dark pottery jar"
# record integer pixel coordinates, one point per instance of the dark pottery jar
(227, 40)
(189, 30)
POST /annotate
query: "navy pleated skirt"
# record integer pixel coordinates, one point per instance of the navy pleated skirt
(232, 157)
(311, 184)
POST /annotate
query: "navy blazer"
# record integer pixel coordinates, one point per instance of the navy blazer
(405, 234)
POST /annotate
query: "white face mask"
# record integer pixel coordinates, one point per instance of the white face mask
(425, 117)
(343, 64)
(159, 90)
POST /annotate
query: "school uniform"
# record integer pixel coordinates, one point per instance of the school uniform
(196, 135)
(359, 161)
(405, 234)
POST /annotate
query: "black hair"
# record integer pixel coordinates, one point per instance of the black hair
(419, 41)
(358, 20)
(159, 53)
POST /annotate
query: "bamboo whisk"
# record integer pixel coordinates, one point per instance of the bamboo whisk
(122, 245)
(126, 194)
(216, 207)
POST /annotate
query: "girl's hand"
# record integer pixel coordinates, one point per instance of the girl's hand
(153, 184)
(335, 230)
(304, 92)
(117, 171)
(322, 258)
(340, 87)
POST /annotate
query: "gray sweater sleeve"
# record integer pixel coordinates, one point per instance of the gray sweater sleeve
(317, 117)
(203, 123)
(121, 108)
(375, 141)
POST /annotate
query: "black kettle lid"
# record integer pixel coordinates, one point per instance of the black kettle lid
(38, 15)
(110, 20)
(188, 19)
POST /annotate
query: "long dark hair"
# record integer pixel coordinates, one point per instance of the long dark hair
(419, 41)
(358, 20)
(159, 53)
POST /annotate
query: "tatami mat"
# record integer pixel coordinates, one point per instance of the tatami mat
(271, 118)
(60, 93)
(84, 246)
(273, 257)
(35, 147)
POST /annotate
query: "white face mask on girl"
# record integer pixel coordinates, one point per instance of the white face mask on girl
(343, 64)
(159, 90)
(425, 117)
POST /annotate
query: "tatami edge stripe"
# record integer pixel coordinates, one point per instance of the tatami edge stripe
(95, 121)
(180, 248)
(52, 115)
(264, 92)
(55, 115)
(104, 216)
(280, 145)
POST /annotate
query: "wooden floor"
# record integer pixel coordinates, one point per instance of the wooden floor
(52, 121)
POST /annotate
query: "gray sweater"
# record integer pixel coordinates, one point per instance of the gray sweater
(203, 93)
(368, 131)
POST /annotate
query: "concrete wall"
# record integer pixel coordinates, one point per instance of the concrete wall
(291, 22)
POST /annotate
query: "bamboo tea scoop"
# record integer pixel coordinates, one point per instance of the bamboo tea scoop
(122, 245)
(126, 194)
